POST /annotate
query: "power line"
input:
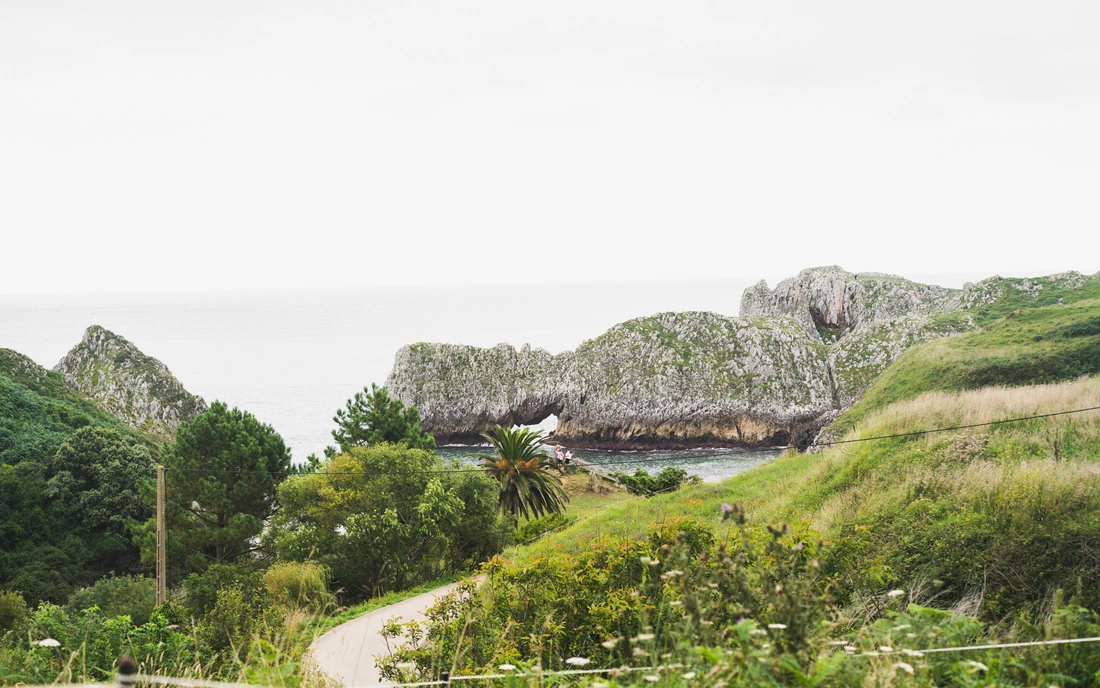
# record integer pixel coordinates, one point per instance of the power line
(629, 462)
(917, 433)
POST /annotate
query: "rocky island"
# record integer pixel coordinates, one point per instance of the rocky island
(796, 356)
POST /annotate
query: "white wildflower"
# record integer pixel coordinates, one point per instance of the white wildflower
(895, 593)
(885, 648)
(676, 603)
(689, 675)
(777, 627)
(577, 661)
(652, 678)
(758, 631)
(642, 637)
(978, 665)
(850, 648)
(907, 668)
(902, 627)
(912, 653)
(609, 644)
(48, 642)
(507, 667)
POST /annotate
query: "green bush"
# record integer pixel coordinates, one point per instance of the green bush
(13, 611)
(133, 596)
(534, 529)
(299, 585)
(642, 483)
(386, 517)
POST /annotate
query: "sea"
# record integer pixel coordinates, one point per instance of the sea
(292, 358)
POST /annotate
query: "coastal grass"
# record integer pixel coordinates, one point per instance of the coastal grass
(997, 519)
(1036, 346)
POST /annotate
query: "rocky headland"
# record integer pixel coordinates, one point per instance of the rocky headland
(134, 387)
(797, 356)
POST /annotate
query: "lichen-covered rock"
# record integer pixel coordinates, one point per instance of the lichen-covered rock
(858, 358)
(674, 379)
(797, 356)
(136, 388)
(830, 302)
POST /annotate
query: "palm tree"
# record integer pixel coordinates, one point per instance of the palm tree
(527, 488)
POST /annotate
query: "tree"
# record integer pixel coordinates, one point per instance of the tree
(95, 481)
(519, 466)
(372, 417)
(386, 517)
(223, 471)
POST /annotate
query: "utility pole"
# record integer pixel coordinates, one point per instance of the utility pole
(162, 541)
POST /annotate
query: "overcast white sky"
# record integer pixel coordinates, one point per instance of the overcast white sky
(227, 145)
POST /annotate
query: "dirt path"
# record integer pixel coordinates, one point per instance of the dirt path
(346, 653)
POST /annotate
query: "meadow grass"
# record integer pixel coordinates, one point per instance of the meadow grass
(1008, 513)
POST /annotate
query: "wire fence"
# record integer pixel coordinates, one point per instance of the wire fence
(127, 679)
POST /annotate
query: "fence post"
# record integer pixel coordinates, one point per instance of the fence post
(445, 677)
(125, 677)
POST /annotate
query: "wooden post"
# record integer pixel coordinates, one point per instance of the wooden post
(162, 541)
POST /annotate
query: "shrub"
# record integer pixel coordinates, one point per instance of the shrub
(133, 596)
(642, 483)
(532, 530)
(13, 610)
(299, 585)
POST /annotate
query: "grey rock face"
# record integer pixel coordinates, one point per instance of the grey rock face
(830, 302)
(798, 355)
(138, 389)
(674, 379)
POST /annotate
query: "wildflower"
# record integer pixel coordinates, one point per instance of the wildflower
(639, 652)
(902, 627)
(406, 666)
(978, 665)
(652, 678)
(907, 668)
(758, 631)
(777, 627)
(676, 603)
(48, 642)
(912, 653)
(610, 644)
(641, 637)
(895, 593)
(850, 648)
(507, 667)
(885, 648)
(689, 675)
(673, 573)
(577, 661)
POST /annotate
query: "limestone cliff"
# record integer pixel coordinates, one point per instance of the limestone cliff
(673, 379)
(798, 355)
(830, 302)
(138, 389)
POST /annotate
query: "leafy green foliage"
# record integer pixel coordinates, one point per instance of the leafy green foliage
(13, 611)
(373, 417)
(643, 483)
(132, 596)
(223, 471)
(527, 487)
(531, 530)
(386, 517)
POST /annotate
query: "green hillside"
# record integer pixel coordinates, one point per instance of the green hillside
(1033, 346)
(49, 546)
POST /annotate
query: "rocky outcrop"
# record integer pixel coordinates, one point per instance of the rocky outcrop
(830, 302)
(138, 389)
(673, 379)
(798, 355)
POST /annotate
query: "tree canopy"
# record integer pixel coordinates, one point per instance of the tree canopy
(386, 517)
(373, 417)
(223, 470)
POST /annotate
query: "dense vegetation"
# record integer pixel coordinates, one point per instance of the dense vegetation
(69, 475)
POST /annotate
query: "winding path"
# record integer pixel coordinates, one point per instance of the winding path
(346, 653)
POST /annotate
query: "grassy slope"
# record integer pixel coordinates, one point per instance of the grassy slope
(38, 410)
(1011, 510)
(1040, 345)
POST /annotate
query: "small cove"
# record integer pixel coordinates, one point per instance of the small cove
(712, 465)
